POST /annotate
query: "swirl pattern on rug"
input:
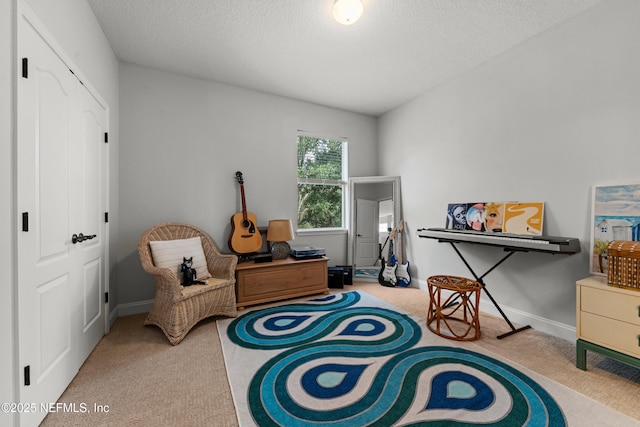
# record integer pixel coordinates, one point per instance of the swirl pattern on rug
(348, 365)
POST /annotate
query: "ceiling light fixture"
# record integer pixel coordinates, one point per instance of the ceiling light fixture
(347, 11)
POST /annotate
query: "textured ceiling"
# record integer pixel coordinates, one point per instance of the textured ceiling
(294, 48)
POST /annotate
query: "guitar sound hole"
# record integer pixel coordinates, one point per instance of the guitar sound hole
(249, 226)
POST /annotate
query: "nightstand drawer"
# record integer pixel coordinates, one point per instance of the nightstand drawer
(619, 336)
(612, 304)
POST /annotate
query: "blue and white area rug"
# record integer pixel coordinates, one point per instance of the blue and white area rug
(353, 360)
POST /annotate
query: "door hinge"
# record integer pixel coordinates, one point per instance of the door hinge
(106, 297)
(25, 68)
(106, 217)
(25, 221)
(106, 137)
(27, 375)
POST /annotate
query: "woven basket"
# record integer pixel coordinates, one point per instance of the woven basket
(624, 264)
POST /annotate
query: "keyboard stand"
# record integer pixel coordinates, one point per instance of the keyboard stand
(480, 280)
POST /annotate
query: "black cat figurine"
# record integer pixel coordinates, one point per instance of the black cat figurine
(189, 273)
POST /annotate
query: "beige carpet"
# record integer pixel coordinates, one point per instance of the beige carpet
(145, 381)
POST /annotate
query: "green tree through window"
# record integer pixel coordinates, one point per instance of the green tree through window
(321, 182)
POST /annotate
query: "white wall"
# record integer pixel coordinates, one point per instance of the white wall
(74, 27)
(529, 125)
(183, 139)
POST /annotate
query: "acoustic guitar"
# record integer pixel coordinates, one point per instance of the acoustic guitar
(245, 237)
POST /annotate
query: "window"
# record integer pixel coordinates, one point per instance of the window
(322, 182)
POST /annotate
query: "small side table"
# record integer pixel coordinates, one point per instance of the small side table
(455, 316)
(607, 321)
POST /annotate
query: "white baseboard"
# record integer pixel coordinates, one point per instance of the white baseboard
(517, 317)
(520, 318)
(113, 315)
(130, 308)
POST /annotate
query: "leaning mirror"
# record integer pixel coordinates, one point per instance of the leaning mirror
(374, 208)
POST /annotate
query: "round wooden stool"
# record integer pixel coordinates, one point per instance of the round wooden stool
(455, 313)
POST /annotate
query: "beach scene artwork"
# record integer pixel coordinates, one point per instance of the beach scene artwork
(615, 216)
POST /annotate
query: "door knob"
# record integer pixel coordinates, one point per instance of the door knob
(77, 238)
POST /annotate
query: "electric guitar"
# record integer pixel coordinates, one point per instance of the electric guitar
(402, 271)
(245, 237)
(387, 275)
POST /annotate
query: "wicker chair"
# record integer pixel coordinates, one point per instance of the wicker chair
(177, 309)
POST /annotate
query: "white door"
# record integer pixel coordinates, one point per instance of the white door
(366, 248)
(60, 284)
(90, 173)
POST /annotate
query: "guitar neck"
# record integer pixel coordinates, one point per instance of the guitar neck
(399, 248)
(244, 204)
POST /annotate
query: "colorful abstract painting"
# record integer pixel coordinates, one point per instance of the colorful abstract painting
(524, 218)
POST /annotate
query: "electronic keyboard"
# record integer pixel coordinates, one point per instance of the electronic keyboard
(563, 245)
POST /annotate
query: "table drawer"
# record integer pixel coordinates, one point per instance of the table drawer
(614, 334)
(609, 303)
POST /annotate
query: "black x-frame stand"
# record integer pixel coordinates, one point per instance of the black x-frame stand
(480, 279)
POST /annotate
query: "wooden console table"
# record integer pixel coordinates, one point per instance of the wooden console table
(279, 279)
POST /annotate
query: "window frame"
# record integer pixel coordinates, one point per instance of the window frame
(343, 183)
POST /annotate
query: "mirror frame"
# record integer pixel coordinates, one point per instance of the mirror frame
(397, 207)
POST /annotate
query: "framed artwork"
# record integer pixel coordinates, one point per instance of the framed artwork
(456, 216)
(496, 217)
(466, 216)
(615, 215)
(493, 217)
(524, 218)
(475, 216)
